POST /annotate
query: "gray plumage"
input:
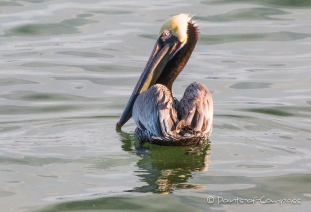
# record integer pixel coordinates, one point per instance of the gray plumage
(159, 117)
(162, 120)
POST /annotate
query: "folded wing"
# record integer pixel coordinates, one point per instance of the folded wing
(155, 113)
(195, 110)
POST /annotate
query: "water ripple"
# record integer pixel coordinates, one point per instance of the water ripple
(68, 68)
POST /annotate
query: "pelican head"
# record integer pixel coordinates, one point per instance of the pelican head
(177, 26)
(166, 60)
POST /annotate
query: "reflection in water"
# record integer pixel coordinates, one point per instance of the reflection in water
(165, 169)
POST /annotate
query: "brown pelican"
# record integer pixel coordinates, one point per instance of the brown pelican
(159, 117)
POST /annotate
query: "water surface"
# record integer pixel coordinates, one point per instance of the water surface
(67, 71)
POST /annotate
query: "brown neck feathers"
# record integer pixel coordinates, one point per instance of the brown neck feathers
(180, 59)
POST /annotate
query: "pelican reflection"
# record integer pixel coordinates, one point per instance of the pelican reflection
(165, 169)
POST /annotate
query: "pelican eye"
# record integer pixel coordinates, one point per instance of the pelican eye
(166, 35)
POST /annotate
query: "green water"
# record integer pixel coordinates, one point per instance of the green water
(68, 68)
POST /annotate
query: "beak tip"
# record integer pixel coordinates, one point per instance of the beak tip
(118, 126)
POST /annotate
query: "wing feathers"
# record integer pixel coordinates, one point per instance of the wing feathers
(156, 117)
(157, 103)
(196, 108)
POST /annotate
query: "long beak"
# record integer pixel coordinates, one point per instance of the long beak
(161, 54)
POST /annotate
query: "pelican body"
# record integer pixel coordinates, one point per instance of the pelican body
(160, 118)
